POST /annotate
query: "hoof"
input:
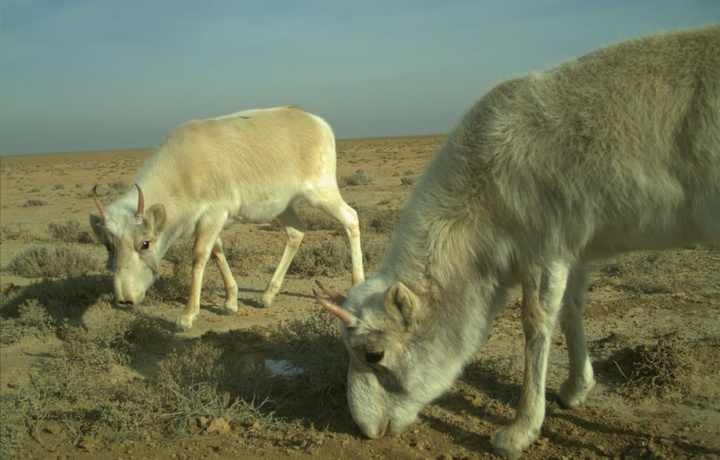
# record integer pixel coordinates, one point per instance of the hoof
(228, 311)
(266, 301)
(574, 395)
(509, 441)
(183, 326)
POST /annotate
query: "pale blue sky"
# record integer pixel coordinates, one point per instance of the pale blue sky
(98, 74)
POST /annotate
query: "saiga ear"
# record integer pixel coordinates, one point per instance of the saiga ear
(97, 224)
(402, 305)
(155, 218)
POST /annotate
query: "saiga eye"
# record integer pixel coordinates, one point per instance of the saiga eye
(374, 357)
(145, 245)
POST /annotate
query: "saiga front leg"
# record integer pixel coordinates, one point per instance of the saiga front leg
(206, 235)
(542, 297)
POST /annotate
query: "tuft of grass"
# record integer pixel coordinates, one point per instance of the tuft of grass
(34, 202)
(332, 258)
(13, 429)
(32, 320)
(313, 344)
(15, 232)
(661, 369)
(328, 258)
(197, 386)
(62, 299)
(116, 187)
(408, 180)
(110, 192)
(374, 250)
(243, 259)
(359, 177)
(175, 287)
(315, 219)
(379, 220)
(78, 394)
(44, 262)
(69, 231)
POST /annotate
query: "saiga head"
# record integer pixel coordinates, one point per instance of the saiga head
(130, 239)
(397, 364)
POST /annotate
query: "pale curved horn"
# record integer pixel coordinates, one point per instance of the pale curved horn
(334, 295)
(141, 206)
(103, 212)
(347, 318)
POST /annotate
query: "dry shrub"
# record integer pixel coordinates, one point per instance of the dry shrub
(172, 288)
(314, 218)
(243, 259)
(661, 272)
(13, 429)
(359, 177)
(332, 258)
(379, 220)
(654, 368)
(195, 385)
(408, 180)
(668, 369)
(69, 231)
(180, 251)
(328, 258)
(374, 250)
(59, 262)
(15, 232)
(313, 345)
(34, 202)
(176, 286)
(61, 299)
(122, 334)
(107, 193)
(76, 390)
(32, 320)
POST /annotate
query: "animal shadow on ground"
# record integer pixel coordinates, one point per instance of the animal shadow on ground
(483, 396)
(251, 297)
(61, 300)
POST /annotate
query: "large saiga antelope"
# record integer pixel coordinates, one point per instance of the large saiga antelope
(618, 150)
(249, 166)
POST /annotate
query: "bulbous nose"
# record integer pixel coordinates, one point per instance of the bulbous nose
(383, 429)
(376, 432)
(128, 298)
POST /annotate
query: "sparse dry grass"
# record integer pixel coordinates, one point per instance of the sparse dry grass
(124, 375)
(328, 258)
(359, 177)
(69, 231)
(52, 262)
(32, 320)
(332, 257)
(313, 345)
(667, 369)
(15, 232)
(379, 220)
(107, 192)
(243, 258)
(33, 202)
(75, 393)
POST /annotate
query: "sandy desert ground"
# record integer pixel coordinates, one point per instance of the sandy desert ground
(81, 378)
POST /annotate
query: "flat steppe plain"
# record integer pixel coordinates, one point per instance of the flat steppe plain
(81, 378)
